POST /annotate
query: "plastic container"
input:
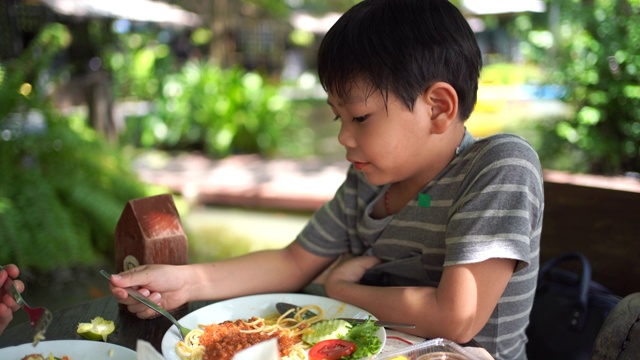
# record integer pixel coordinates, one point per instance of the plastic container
(440, 349)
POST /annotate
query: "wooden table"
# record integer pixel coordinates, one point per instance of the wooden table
(128, 327)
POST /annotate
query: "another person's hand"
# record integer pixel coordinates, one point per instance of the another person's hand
(7, 305)
(162, 284)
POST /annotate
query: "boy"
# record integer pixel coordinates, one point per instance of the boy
(440, 230)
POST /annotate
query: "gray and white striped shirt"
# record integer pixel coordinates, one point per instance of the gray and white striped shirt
(487, 203)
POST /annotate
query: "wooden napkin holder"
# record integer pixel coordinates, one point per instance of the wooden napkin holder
(149, 231)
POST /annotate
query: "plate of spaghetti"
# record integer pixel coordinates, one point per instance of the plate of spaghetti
(226, 327)
(69, 350)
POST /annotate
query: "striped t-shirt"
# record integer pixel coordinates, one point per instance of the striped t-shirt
(487, 203)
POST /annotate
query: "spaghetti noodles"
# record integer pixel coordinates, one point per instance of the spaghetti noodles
(222, 341)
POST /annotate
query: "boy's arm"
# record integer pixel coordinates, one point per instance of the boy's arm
(457, 309)
(284, 270)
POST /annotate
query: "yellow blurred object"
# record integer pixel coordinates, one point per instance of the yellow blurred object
(25, 89)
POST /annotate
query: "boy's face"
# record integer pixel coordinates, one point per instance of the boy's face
(387, 144)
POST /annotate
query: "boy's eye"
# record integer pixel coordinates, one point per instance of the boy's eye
(358, 119)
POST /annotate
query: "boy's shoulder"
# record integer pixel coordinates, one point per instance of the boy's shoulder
(501, 137)
(489, 150)
(503, 142)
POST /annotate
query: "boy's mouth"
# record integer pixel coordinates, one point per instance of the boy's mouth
(360, 165)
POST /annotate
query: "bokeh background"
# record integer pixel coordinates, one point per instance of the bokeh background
(91, 91)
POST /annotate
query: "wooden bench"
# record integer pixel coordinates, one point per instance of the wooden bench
(599, 217)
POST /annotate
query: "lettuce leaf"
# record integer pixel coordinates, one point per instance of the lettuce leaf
(364, 336)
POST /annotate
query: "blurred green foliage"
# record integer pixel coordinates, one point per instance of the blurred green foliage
(282, 9)
(219, 111)
(592, 50)
(137, 62)
(62, 187)
(200, 106)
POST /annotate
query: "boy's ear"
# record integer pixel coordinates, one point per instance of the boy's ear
(443, 100)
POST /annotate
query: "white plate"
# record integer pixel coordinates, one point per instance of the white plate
(261, 306)
(75, 349)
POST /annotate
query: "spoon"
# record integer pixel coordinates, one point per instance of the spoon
(283, 307)
(145, 300)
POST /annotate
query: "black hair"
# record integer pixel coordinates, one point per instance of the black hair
(402, 47)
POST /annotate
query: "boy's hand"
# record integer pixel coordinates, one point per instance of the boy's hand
(162, 284)
(352, 270)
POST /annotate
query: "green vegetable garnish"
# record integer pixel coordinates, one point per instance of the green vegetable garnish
(364, 336)
(97, 329)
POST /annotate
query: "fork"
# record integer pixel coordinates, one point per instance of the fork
(39, 317)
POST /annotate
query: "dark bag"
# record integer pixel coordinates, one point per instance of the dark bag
(568, 311)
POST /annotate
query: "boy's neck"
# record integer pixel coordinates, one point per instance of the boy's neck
(450, 141)
(400, 193)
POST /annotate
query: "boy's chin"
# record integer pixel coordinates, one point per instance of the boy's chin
(375, 180)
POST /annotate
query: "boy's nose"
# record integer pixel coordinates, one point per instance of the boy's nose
(345, 137)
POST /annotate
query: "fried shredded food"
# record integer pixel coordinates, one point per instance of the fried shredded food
(42, 357)
(222, 341)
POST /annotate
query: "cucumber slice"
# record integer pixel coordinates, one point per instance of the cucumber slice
(327, 330)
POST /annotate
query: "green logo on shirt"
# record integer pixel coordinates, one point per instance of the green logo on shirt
(424, 200)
